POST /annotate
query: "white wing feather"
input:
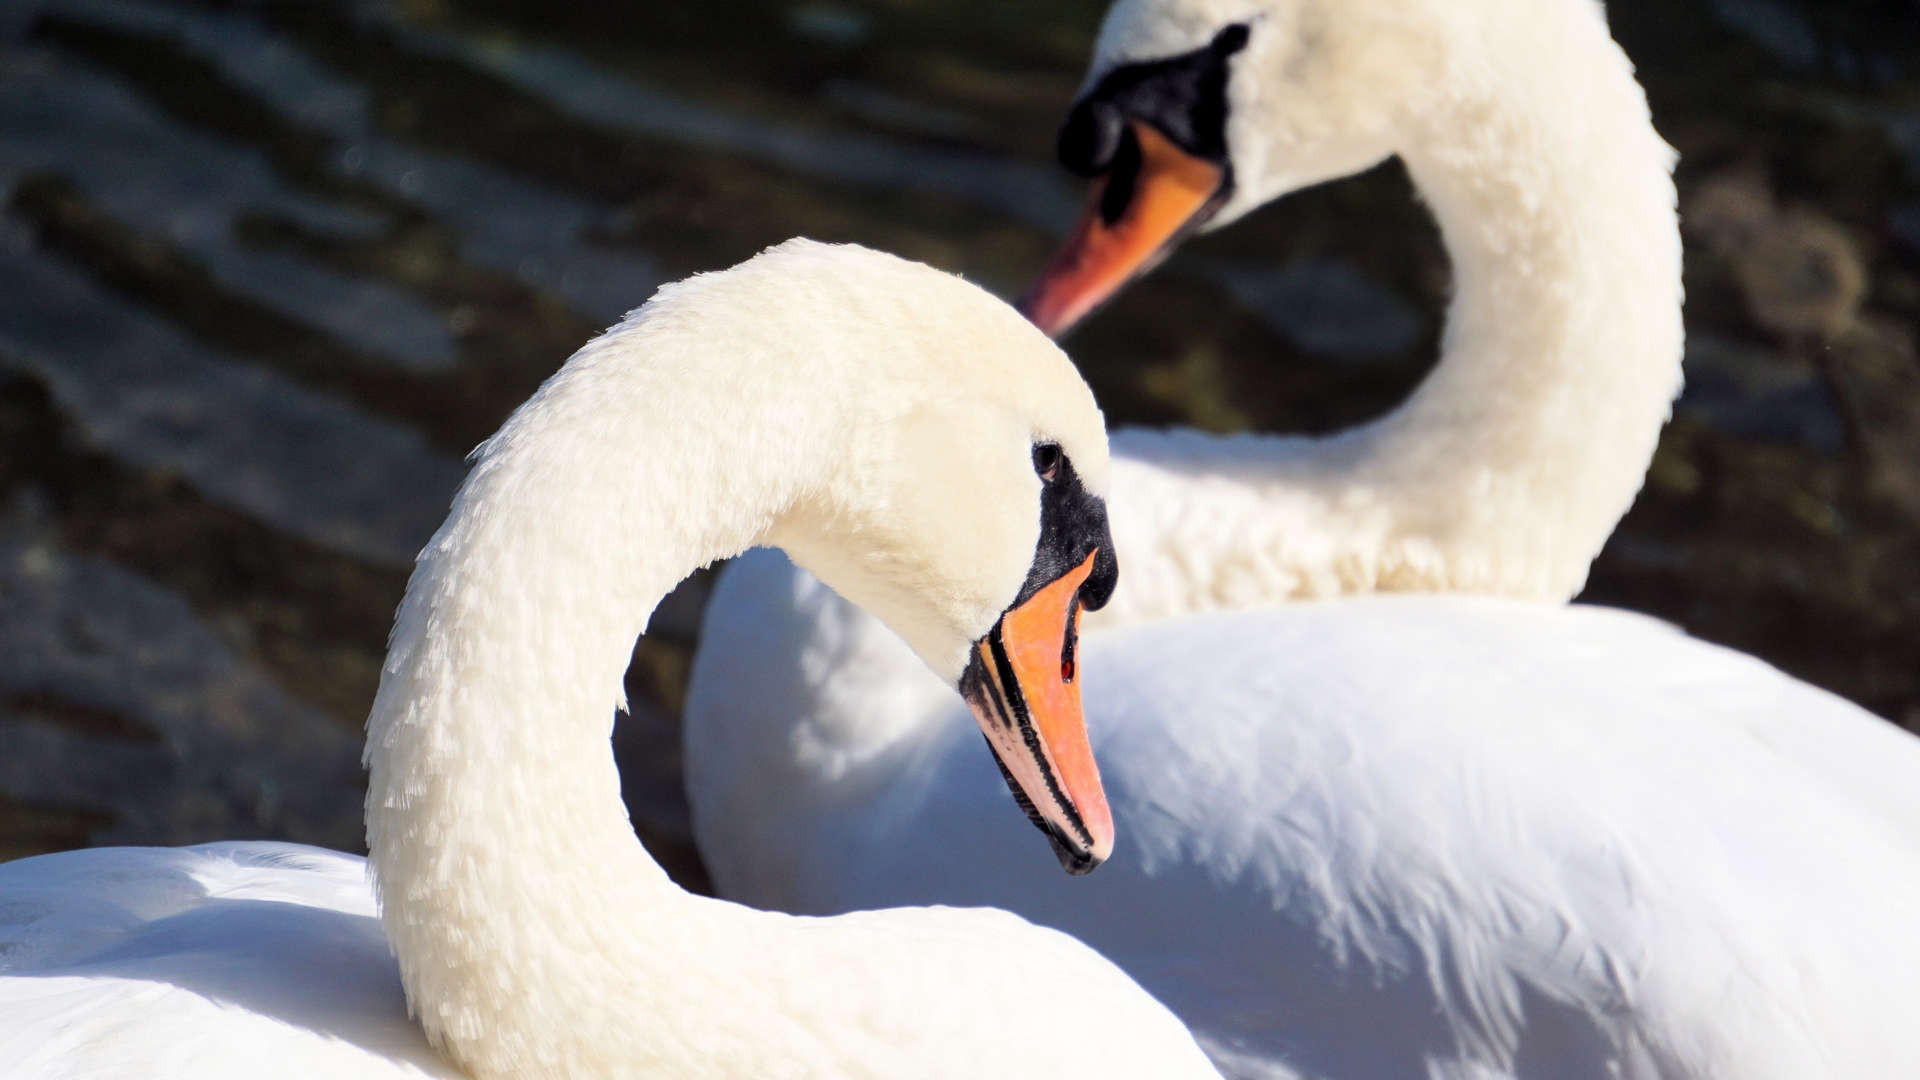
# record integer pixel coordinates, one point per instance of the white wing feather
(1399, 836)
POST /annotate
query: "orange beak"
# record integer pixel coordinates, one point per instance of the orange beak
(1022, 687)
(1173, 192)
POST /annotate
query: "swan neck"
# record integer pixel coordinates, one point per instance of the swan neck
(1520, 452)
(1508, 467)
(510, 881)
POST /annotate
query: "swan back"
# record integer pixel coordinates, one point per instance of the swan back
(177, 962)
(1544, 868)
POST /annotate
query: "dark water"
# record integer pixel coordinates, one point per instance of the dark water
(267, 270)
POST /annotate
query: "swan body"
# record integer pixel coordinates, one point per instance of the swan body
(124, 962)
(1379, 836)
(883, 421)
(1485, 852)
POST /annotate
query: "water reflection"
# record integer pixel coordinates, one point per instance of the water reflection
(64, 118)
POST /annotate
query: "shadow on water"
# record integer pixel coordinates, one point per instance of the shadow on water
(271, 268)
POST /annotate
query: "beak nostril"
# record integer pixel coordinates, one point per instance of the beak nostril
(1122, 176)
(1089, 137)
(1070, 641)
(1230, 39)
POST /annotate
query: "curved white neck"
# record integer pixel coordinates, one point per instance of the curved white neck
(1510, 465)
(873, 416)
(511, 885)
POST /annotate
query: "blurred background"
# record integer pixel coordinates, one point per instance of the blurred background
(269, 269)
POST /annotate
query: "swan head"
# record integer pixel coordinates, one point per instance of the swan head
(961, 499)
(1195, 112)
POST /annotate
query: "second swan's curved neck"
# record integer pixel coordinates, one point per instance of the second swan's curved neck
(1509, 466)
(1562, 353)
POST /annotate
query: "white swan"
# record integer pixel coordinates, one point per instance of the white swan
(1526, 134)
(1382, 836)
(883, 421)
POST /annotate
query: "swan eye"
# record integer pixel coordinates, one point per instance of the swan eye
(1046, 461)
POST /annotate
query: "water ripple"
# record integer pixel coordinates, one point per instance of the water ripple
(302, 461)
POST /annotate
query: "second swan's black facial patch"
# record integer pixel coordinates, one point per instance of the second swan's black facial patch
(1184, 97)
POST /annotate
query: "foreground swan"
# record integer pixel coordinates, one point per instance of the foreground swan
(909, 438)
(1381, 836)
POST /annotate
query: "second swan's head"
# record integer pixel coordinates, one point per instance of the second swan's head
(942, 464)
(1195, 112)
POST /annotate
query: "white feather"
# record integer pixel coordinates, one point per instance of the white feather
(1389, 836)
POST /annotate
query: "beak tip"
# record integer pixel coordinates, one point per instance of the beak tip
(1077, 865)
(1085, 851)
(1043, 310)
(1079, 861)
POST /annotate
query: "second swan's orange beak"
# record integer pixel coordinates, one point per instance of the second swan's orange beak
(1021, 684)
(1149, 200)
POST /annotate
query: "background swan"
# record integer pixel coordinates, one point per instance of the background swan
(1509, 840)
(1376, 838)
(1527, 136)
(883, 419)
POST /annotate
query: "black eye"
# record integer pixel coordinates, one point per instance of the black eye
(1046, 461)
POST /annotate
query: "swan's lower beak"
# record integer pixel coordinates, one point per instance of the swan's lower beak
(1021, 685)
(1151, 198)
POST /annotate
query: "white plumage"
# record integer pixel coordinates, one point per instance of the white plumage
(220, 960)
(1382, 836)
